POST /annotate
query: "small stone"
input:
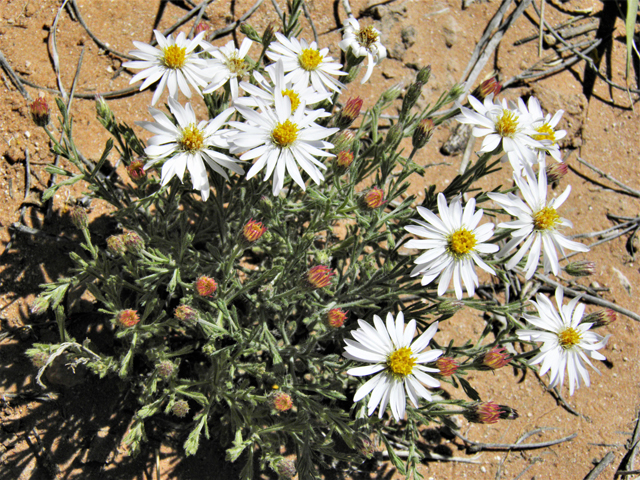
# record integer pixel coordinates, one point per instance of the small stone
(408, 35)
(30, 10)
(450, 29)
(595, 284)
(483, 469)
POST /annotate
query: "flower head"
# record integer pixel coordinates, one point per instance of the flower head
(228, 65)
(304, 62)
(544, 128)
(496, 358)
(363, 42)
(206, 286)
(374, 198)
(180, 408)
(281, 401)
(336, 317)
(537, 224)
(188, 145)
(175, 64)
(345, 158)
(165, 369)
(319, 276)
(186, 313)
(453, 243)
(253, 230)
(396, 358)
(349, 112)
(127, 318)
(568, 342)
(136, 170)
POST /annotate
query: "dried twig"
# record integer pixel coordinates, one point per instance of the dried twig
(15, 78)
(203, 6)
(53, 51)
(593, 474)
(232, 26)
(627, 189)
(499, 447)
(347, 8)
(628, 462)
(310, 20)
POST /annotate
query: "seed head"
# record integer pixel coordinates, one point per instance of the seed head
(180, 408)
(319, 276)
(206, 286)
(336, 317)
(127, 318)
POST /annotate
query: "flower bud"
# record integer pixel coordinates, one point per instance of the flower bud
(336, 317)
(581, 268)
(267, 36)
(136, 170)
(556, 171)
(281, 401)
(253, 230)
(115, 244)
(286, 468)
(496, 358)
(344, 158)
(127, 318)
(410, 98)
(343, 141)
(103, 111)
(319, 276)
(447, 366)
(133, 242)
(390, 94)
(394, 135)
(201, 27)
(185, 313)
(349, 113)
(79, 218)
(424, 74)
(366, 446)
(449, 307)
(250, 32)
(601, 318)
(165, 369)
(489, 412)
(374, 198)
(422, 134)
(206, 286)
(40, 112)
(180, 408)
(486, 88)
(40, 359)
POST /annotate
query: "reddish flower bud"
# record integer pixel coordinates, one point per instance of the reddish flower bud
(40, 359)
(319, 276)
(133, 242)
(423, 132)
(366, 447)
(486, 88)
(79, 218)
(344, 158)
(136, 170)
(206, 286)
(281, 401)
(349, 112)
(601, 318)
(185, 313)
(286, 468)
(374, 198)
(253, 230)
(127, 318)
(40, 112)
(180, 408)
(496, 358)
(556, 171)
(115, 244)
(336, 317)
(447, 366)
(201, 27)
(490, 412)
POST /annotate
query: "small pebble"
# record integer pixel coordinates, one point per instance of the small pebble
(27, 134)
(483, 469)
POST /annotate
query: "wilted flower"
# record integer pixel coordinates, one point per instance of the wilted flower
(253, 230)
(490, 412)
(496, 358)
(40, 112)
(136, 170)
(363, 42)
(336, 317)
(127, 318)
(319, 276)
(206, 286)
(374, 198)
(447, 366)
(180, 408)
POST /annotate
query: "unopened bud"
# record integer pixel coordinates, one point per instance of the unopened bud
(79, 218)
(449, 307)
(104, 113)
(422, 134)
(366, 446)
(127, 318)
(349, 113)
(336, 317)
(447, 366)
(344, 158)
(556, 171)
(390, 94)
(115, 244)
(165, 369)
(281, 401)
(185, 313)
(394, 135)
(253, 230)
(180, 408)
(424, 74)
(40, 112)
(206, 286)
(267, 36)
(250, 32)
(319, 276)
(490, 412)
(40, 359)
(410, 98)
(286, 468)
(136, 170)
(133, 242)
(201, 27)
(374, 198)
(601, 318)
(496, 358)
(343, 141)
(486, 88)
(581, 268)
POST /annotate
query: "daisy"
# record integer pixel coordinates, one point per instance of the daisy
(306, 63)
(567, 343)
(544, 126)
(228, 64)
(175, 64)
(363, 42)
(391, 351)
(502, 127)
(453, 243)
(282, 140)
(188, 145)
(265, 90)
(537, 224)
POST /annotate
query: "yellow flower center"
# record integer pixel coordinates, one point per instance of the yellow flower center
(461, 242)
(400, 362)
(285, 134)
(545, 219)
(237, 65)
(174, 56)
(309, 59)
(507, 124)
(568, 338)
(367, 36)
(192, 139)
(545, 133)
(294, 97)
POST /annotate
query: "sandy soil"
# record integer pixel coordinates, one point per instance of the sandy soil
(75, 431)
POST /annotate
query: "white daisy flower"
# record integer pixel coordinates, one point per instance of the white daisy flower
(501, 126)
(175, 64)
(537, 224)
(544, 126)
(567, 343)
(265, 90)
(305, 63)
(398, 357)
(282, 140)
(228, 64)
(453, 243)
(188, 145)
(363, 42)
